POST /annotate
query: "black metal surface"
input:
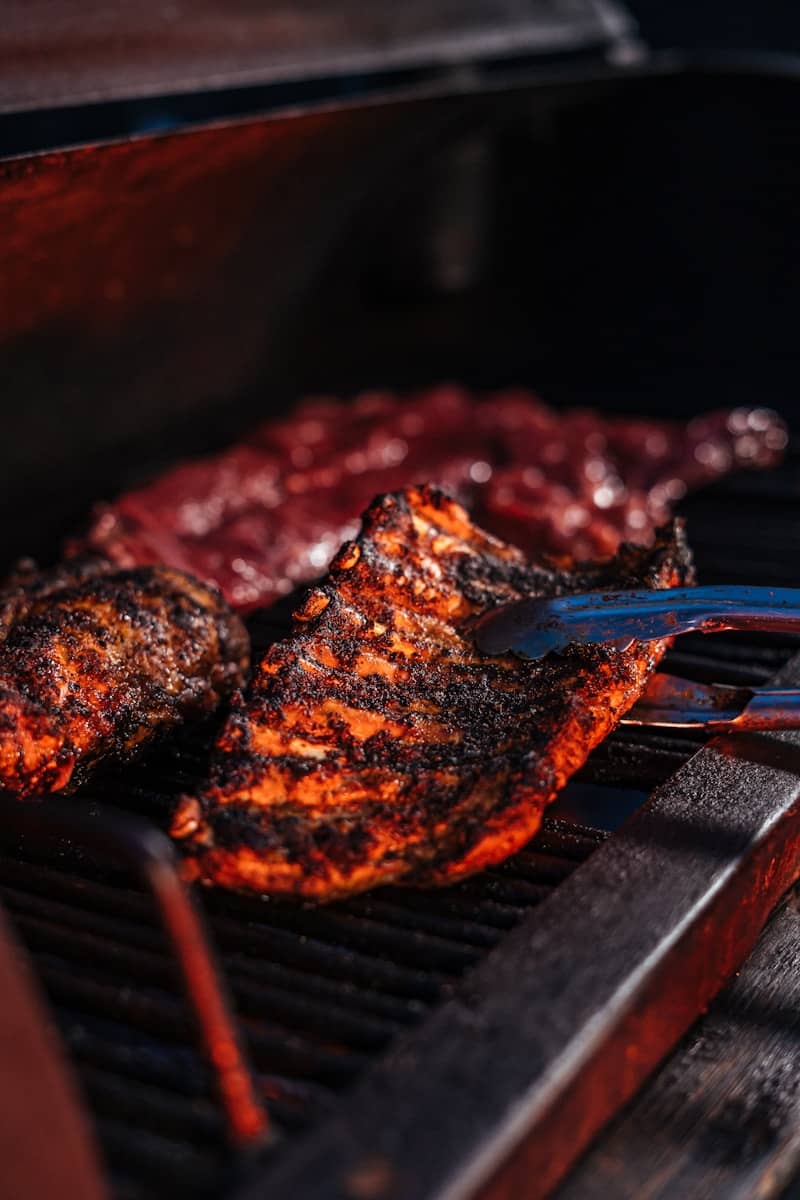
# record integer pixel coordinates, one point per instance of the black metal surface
(136, 846)
(319, 993)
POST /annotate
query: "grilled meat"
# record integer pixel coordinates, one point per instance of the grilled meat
(377, 745)
(271, 513)
(95, 661)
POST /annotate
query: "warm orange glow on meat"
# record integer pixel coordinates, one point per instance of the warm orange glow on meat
(94, 662)
(378, 746)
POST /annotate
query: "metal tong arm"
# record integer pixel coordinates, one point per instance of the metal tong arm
(536, 626)
(703, 609)
(673, 703)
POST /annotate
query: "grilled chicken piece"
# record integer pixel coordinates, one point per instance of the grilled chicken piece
(377, 745)
(94, 661)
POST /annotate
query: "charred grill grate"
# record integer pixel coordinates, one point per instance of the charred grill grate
(320, 994)
(317, 993)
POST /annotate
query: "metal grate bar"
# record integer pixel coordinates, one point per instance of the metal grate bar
(175, 1165)
(408, 947)
(441, 925)
(284, 1006)
(147, 852)
(129, 1053)
(335, 962)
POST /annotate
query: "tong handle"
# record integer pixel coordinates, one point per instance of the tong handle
(535, 626)
(621, 617)
(769, 709)
(673, 703)
(713, 609)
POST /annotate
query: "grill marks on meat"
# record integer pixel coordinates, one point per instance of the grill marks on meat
(95, 661)
(271, 512)
(377, 745)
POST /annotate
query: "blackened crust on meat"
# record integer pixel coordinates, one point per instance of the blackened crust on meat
(377, 745)
(95, 661)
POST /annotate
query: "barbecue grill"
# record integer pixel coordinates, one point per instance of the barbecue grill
(390, 202)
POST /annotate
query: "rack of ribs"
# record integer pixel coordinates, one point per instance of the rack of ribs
(270, 513)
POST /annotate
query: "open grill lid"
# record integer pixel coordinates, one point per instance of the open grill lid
(53, 55)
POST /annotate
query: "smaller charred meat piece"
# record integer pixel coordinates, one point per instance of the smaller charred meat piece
(95, 661)
(379, 745)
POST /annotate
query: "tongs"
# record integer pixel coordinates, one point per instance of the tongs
(536, 627)
(673, 703)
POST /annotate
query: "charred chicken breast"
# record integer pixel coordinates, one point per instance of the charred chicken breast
(377, 745)
(94, 661)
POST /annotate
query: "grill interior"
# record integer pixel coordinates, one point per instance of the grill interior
(321, 993)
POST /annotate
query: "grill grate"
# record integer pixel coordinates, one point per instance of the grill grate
(320, 993)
